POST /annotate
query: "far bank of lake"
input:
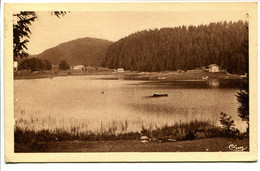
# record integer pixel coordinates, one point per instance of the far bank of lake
(198, 74)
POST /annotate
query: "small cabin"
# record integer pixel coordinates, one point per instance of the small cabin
(120, 70)
(214, 68)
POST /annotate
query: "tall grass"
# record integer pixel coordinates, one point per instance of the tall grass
(71, 125)
(183, 131)
(28, 134)
(35, 132)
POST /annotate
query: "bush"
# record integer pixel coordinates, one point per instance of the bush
(226, 121)
(227, 125)
(48, 65)
(64, 65)
(190, 135)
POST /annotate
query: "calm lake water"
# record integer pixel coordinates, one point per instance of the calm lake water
(96, 103)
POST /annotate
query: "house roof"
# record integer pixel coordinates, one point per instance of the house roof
(211, 65)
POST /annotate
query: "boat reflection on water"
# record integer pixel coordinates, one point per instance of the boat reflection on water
(213, 83)
(120, 77)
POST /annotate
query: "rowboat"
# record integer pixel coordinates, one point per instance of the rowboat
(159, 95)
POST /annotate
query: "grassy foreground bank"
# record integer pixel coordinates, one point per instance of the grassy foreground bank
(199, 145)
(192, 136)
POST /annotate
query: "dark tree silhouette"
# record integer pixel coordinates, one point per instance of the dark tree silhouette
(243, 94)
(21, 31)
(60, 13)
(243, 99)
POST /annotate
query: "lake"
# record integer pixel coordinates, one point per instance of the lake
(98, 103)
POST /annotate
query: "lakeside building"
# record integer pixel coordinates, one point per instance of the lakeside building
(214, 68)
(120, 70)
(78, 67)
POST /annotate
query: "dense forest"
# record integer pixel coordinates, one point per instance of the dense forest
(86, 51)
(183, 48)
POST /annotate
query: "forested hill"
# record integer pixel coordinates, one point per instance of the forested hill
(222, 43)
(87, 51)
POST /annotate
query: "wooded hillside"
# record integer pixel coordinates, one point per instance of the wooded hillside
(222, 43)
(86, 51)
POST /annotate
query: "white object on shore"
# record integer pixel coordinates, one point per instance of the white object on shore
(144, 141)
(144, 137)
(171, 140)
(120, 70)
(205, 78)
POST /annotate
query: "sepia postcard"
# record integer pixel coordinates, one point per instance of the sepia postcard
(130, 82)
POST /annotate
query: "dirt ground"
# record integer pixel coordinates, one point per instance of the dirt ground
(200, 145)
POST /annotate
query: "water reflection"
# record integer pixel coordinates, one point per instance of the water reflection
(180, 84)
(213, 83)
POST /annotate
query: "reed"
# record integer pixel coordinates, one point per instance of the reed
(28, 134)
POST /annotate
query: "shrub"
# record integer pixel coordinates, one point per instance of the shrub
(226, 121)
(64, 65)
(190, 135)
(48, 65)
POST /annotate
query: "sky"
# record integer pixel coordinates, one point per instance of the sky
(49, 31)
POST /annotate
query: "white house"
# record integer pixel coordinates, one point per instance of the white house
(120, 70)
(15, 65)
(214, 68)
(78, 67)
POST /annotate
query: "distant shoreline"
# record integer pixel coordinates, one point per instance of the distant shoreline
(190, 75)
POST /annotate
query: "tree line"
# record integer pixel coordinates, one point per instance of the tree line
(36, 64)
(183, 48)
